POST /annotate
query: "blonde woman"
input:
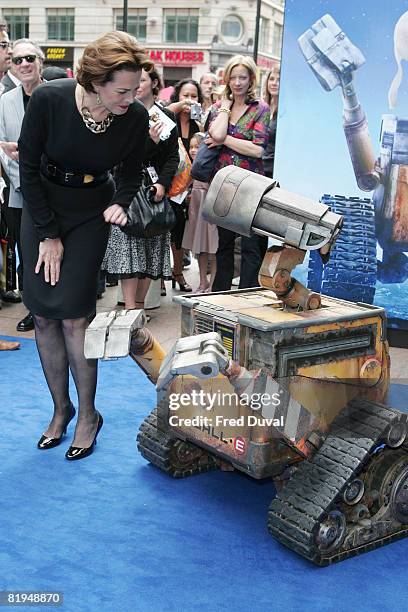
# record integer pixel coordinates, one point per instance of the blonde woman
(240, 123)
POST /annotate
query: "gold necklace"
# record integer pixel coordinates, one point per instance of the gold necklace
(96, 127)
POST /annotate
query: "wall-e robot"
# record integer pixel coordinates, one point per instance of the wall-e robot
(334, 59)
(337, 454)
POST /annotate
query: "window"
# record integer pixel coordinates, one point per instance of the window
(232, 29)
(277, 39)
(264, 29)
(17, 21)
(136, 23)
(61, 24)
(181, 25)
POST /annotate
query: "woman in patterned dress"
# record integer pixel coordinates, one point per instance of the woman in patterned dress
(135, 261)
(240, 123)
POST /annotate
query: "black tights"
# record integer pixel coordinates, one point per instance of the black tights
(61, 346)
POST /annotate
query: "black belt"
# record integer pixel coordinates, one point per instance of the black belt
(71, 179)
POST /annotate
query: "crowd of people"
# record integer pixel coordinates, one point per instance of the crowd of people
(69, 183)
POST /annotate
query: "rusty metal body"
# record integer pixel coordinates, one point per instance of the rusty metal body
(315, 360)
(337, 453)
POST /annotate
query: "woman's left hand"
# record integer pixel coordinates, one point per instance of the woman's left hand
(155, 131)
(115, 214)
(210, 142)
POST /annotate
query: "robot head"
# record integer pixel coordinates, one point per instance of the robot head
(401, 53)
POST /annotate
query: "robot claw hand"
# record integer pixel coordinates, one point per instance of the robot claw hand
(334, 59)
(110, 333)
(330, 54)
(203, 356)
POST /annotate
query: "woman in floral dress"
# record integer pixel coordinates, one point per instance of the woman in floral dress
(240, 123)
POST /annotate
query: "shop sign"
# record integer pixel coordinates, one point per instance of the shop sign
(176, 57)
(58, 54)
(266, 63)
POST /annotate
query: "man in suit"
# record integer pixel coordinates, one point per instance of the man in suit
(10, 80)
(27, 58)
(5, 61)
(5, 50)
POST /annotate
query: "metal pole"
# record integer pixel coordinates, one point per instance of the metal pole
(257, 22)
(125, 15)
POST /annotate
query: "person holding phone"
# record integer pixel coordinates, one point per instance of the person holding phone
(186, 95)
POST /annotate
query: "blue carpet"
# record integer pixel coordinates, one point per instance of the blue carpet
(113, 533)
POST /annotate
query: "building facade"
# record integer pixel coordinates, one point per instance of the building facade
(185, 38)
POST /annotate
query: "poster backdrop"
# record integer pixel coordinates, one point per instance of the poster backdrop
(313, 159)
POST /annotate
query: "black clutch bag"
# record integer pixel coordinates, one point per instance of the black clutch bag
(147, 218)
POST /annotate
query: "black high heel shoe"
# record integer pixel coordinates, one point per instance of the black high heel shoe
(183, 285)
(45, 442)
(77, 452)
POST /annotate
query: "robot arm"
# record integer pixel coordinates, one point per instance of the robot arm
(333, 60)
(202, 355)
(248, 203)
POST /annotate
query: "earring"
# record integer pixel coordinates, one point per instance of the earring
(98, 98)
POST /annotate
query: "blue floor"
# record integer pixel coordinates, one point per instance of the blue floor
(113, 533)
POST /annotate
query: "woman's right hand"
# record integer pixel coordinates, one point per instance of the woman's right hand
(159, 192)
(211, 143)
(50, 254)
(183, 106)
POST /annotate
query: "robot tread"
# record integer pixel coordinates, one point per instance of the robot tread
(177, 458)
(352, 496)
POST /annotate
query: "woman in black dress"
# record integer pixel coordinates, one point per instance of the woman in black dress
(271, 97)
(73, 133)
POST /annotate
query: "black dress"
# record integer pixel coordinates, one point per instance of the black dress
(268, 156)
(53, 129)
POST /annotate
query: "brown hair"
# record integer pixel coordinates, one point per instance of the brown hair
(177, 88)
(155, 76)
(198, 136)
(249, 64)
(106, 55)
(267, 96)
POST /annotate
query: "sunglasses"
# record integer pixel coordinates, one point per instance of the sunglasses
(19, 59)
(5, 45)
